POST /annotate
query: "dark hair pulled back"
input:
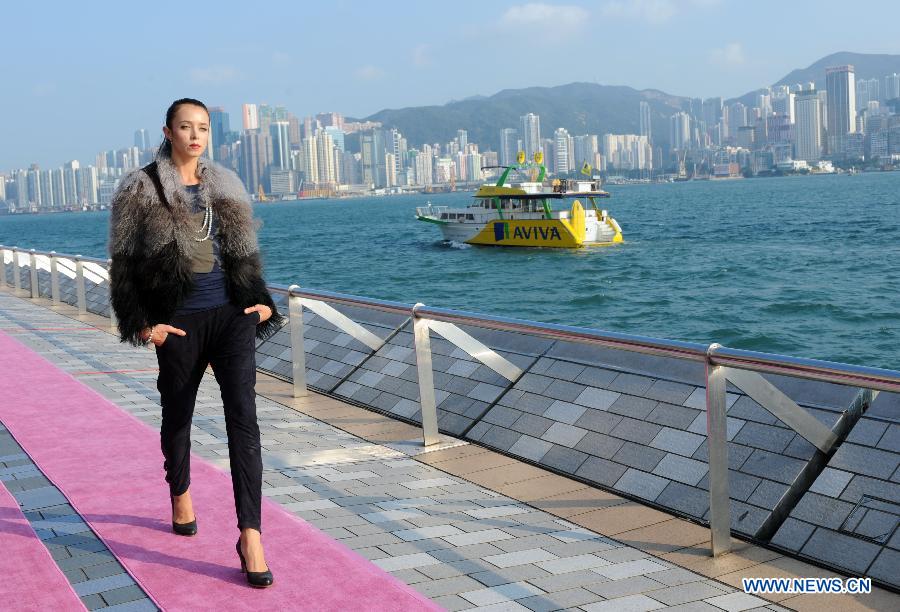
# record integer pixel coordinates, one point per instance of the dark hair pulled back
(166, 147)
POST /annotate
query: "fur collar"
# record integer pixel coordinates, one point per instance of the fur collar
(164, 222)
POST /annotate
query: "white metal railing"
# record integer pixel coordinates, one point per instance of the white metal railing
(741, 368)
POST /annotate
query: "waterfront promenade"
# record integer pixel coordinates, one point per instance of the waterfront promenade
(460, 524)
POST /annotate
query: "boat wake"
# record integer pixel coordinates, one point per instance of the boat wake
(453, 244)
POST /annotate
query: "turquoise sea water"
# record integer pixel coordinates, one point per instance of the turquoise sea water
(804, 266)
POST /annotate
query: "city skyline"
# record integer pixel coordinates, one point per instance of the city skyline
(102, 70)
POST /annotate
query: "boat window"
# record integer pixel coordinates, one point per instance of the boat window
(470, 217)
(445, 216)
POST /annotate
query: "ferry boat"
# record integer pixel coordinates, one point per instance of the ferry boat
(529, 214)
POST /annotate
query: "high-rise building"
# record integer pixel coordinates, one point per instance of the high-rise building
(531, 134)
(311, 159)
(250, 116)
(867, 90)
(219, 126)
(645, 121)
(279, 132)
(783, 104)
(337, 135)
(508, 146)
(808, 129)
(255, 155)
(325, 158)
(680, 131)
(142, 139)
(841, 87)
(462, 137)
(335, 120)
(561, 145)
(586, 149)
(892, 86)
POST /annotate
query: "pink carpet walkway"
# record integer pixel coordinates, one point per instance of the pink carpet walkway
(30, 580)
(108, 464)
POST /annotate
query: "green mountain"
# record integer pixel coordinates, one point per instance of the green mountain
(866, 65)
(581, 108)
(585, 108)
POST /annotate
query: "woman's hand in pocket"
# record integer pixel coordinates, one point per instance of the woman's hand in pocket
(264, 312)
(159, 333)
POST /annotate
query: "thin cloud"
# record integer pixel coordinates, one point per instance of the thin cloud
(280, 58)
(539, 14)
(214, 74)
(420, 56)
(654, 12)
(369, 73)
(730, 55)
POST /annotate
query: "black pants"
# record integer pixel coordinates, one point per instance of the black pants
(224, 338)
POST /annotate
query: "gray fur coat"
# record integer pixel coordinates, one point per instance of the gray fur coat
(151, 241)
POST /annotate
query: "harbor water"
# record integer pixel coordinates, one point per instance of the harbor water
(804, 266)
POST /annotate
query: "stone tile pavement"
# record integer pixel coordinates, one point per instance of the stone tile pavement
(465, 543)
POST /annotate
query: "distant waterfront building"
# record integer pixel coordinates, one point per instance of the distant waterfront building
(337, 135)
(645, 129)
(680, 131)
(892, 86)
(279, 132)
(841, 88)
(255, 148)
(627, 152)
(250, 116)
(737, 118)
(586, 149)
(142, 139)
(562, 144)
(334, 120)
(462, 137)
(508, 146)
(219, 126)
(531, 134)
(783, 104)
(808, 131)
(712, 114)
(867, 90)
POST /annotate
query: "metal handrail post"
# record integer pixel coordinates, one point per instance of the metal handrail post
(54, 279)
(426, 378)
(32, 261)
(17, 282)
(717, 445)
(113, 322)
(79, 285)
(3, 261)
(298, 352)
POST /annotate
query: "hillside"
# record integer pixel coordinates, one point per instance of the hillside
(581, 108)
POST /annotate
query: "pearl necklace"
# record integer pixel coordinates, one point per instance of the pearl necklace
(207, 225)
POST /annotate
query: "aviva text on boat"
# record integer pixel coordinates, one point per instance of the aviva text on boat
(529, 213)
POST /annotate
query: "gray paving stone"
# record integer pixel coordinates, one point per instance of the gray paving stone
(530, 448)
(792, 534)
(867, 432)
(532, 424)
(678, 417)
(500, 438)
(668, 391)
(766, 437)
(890, 441)
(600, 445)
(885, 566)
(677, 441)
(560, 600)
(502, 415)
(770, 465)
(601, 471)
(767, 494)
(682, 498)
(626, 586)
(821, 510)
(633, 407)
(123, 595)
(632, 384)
(740, 486)
(639, 456)
(636, 431)
(564, 390)
(852, 553)
(863, 460)
(564, 459)
(497, 576)
(598, 399)
(564, 412)
(598, 421)
(89, 587)
(564, 434)
(641, 484)
(596, 377)
(831, 482)
(682, 469)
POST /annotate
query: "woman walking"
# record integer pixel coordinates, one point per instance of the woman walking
(186, 276)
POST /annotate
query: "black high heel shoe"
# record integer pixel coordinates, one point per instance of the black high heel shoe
(258, 580)
(183, 529)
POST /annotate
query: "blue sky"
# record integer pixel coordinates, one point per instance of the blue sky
(81, 77)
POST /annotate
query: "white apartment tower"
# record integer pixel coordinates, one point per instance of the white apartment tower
(531, 134)
(680, 131)
(808, 129)
(645, 121)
